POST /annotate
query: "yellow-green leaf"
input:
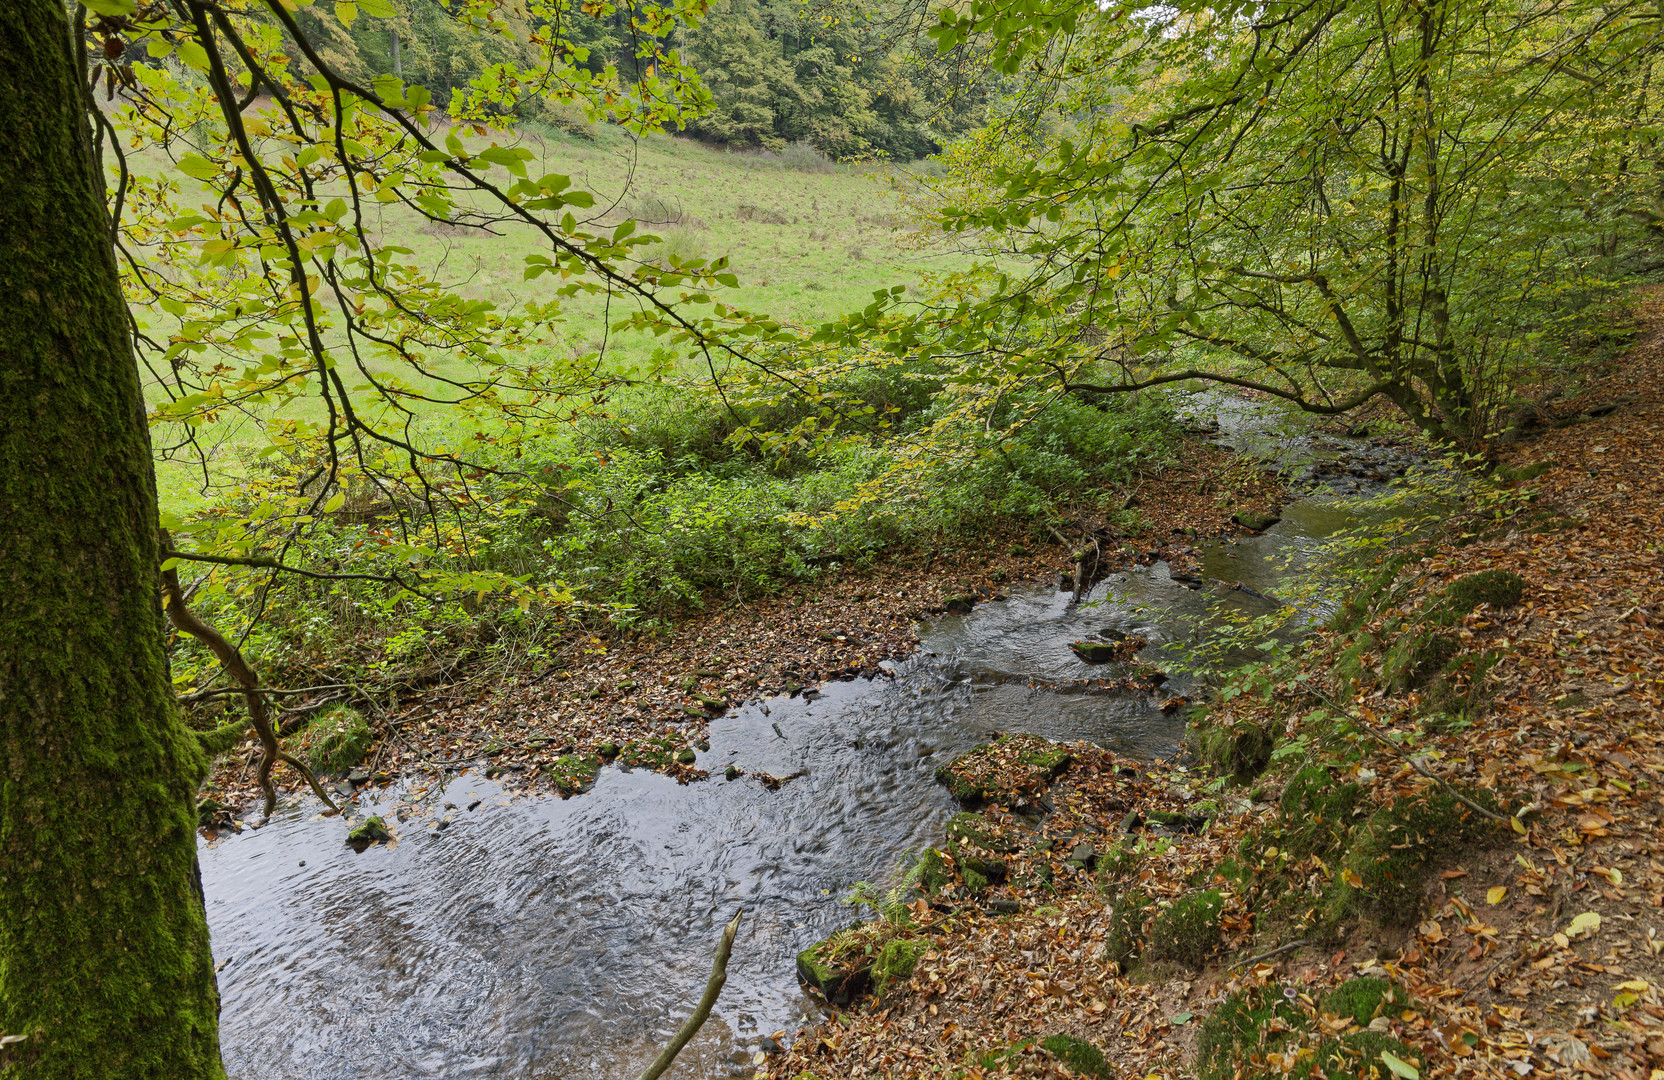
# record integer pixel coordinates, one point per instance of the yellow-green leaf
(378, 9)
(1496, 895)
(346, 11)
(1399, 1066)
(1586, 923)
(194, 55)
(335, 504)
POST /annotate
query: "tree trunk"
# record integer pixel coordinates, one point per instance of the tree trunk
(104, 962)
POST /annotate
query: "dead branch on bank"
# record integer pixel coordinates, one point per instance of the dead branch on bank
(719, 975)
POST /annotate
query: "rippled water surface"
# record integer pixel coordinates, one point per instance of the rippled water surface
(547, 938)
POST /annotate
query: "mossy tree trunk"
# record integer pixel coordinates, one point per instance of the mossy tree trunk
(104, 962)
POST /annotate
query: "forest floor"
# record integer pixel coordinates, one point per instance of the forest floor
(644, 701)
(1529, 942)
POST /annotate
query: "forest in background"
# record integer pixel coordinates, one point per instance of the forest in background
(854, 80)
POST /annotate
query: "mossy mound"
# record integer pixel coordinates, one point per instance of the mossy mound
(1080, 1055)
(1316, 811)
(978, 831)
(1011, 768)
(1245, 1025)
(372, 830)
(1363, 999)
(1498, 588)
(574, 773)
(335, 740)
(1125, 939)
(1394, 851)
(935, 872)
(1189, 930)
(1238, 748)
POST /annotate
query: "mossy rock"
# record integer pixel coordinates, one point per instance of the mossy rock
(1397, 848)
(1080, 1055)
(1189, 930)
(935, 874)
(895, 962)
(335, 740)
(1012, 767)
(1125, 939)
(574, 773)
(1254, 521)
(978, 831)
(371, 830)
(206, 809)
(840, 975)
(656, 752)
(1498, 588)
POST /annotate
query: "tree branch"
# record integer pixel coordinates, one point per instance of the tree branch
(719, 975)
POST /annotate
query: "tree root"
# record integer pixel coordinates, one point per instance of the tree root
(270, 753)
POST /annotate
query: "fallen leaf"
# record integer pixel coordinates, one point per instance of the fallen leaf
(1586, 923)
(1496, 895)
(1399, 1066)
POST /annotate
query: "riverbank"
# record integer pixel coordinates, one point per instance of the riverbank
(647, 702)
(1431, 841)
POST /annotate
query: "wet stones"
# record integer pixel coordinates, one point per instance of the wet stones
(372, 830)
(1254, 521)
(840, 978)
(1120, 648)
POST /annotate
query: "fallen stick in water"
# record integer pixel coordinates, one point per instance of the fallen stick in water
(719, 975)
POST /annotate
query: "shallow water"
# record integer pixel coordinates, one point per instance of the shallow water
(568, 938)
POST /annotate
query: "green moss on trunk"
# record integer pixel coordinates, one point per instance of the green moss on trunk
(104, 961)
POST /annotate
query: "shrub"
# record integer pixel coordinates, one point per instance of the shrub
(335, 740)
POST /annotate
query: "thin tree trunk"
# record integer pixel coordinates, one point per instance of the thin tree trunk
(104, 962)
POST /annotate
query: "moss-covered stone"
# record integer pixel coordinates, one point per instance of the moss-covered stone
(978, 831)
(371, 830)
(1239, 748)
(1010, 768)
(839, 973)
(1188, 930)
(935, 873)
(574, 773)
(1080, 1055)
(655, 752)
(895, 962)
(335, 740)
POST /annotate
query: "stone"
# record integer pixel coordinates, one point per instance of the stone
(1255, 522)
(733, 772)
(962, 604)
(372, 830)
(1083, 856)
(1094, 652)
(687, 756)
(1002, 906)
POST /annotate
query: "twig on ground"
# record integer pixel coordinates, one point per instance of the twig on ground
(1268, 955)
(719, 975)
(1410, 761)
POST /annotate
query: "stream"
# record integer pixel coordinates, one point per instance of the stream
(548, 938)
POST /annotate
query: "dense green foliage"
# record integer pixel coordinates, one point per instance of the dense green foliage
(1328, 202)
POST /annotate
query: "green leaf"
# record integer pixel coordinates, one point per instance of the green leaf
(113, 8)
(1400, 1068)
(194, 55)
(378, 9)
(346, 11)
(198, 167)
(335, 503)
